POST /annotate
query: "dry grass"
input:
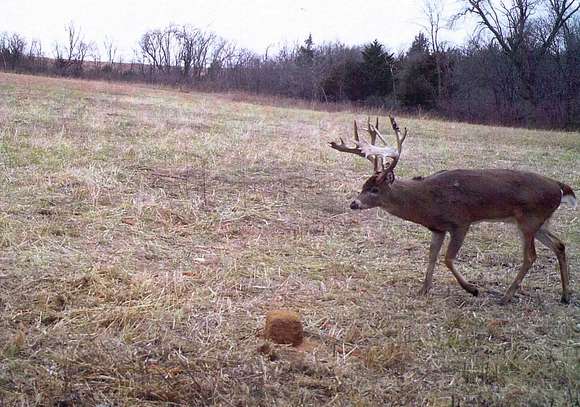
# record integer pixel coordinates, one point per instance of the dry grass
(145, 233)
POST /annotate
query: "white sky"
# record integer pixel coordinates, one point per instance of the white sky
(253, 24)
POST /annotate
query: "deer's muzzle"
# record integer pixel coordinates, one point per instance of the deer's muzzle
(355, 205)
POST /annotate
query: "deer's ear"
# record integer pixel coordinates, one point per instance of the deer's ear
(386, 176)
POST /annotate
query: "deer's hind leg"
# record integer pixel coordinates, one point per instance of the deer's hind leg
(550, 240)
(528, 230)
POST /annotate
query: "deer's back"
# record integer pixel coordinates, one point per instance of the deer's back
(466, 196)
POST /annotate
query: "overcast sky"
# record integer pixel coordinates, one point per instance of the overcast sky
(253, 24)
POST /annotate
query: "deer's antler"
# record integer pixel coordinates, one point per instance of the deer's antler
(400, 141)
(370, 151)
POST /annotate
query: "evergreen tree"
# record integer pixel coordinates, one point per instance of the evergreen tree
(304, 83)
(420, 45)
(377, 70)
(306, 52)
(418, 77)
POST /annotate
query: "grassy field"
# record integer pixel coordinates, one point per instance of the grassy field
(145, 233)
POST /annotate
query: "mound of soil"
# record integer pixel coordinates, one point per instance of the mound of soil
(284, 327)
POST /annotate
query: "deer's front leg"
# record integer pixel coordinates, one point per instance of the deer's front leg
(434, 249)
(457, 236)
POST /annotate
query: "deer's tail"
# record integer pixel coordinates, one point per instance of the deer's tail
(568, 196)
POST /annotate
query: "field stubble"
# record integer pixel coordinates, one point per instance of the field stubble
(145, 233)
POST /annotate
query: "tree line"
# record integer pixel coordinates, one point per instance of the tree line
(522, 67)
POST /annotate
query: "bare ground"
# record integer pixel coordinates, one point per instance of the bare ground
(145, 233)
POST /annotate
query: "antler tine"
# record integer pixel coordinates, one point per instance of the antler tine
(372, 131)
(404, 136)
(400, 141)
(397, 130)
(373, 135)
(345, 149)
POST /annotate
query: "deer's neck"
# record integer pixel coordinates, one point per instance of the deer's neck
(406, 201)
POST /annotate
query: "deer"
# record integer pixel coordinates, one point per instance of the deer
(450, 201)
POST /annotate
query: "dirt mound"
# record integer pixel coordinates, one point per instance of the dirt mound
(284, 327)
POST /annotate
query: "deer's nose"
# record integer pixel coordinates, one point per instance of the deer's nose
(355, 204)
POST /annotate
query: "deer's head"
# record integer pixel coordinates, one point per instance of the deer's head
(377, 188)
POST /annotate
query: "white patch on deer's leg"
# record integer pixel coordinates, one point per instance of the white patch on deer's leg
(568, 200)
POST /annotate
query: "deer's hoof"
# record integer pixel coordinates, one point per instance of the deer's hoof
(471, 289)
(424, 290)
(565, 298)
(505, 300)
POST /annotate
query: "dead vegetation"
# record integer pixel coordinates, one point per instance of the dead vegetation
(145, 234)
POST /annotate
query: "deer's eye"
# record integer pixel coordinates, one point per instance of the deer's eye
(374, 190)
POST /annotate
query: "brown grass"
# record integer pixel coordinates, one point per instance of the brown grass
(145, 233)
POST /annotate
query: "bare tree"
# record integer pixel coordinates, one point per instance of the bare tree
(433, 11)
(35, 56)
(187, 37)
(169, 46)
(35, 49)
(202, 48)
(222, 51)
(149, 46)
(110, 50)
(514, 25)
(194, 51)
(71, 57)
(564, 57)
(74, 38)
(4, 50)
(94, 54)
(12, 47)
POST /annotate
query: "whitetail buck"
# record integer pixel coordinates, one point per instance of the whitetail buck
(450, 201)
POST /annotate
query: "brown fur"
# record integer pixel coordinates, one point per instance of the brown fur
(450, 199)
